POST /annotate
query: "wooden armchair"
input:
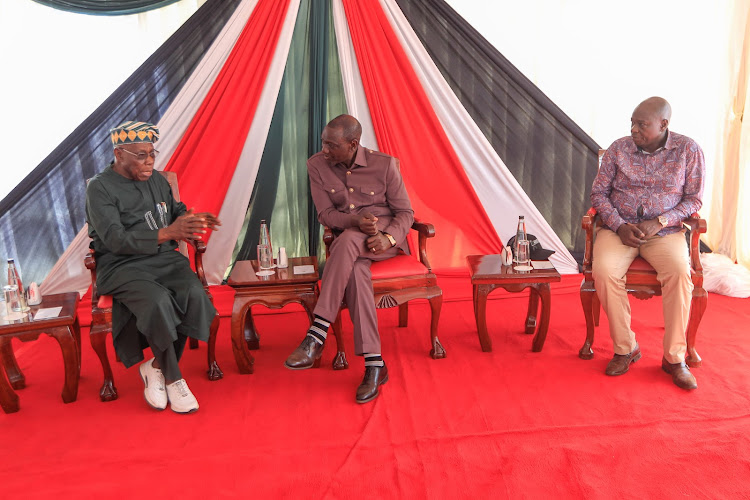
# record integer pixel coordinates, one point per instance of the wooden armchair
(395, 282)
(641, 282)
(101, 312)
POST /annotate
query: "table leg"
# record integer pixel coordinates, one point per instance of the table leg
(77, 334)
(480, 313)
(67, 340)
(8, 397)
(543, 291)
(251, 333)
(8, 360)
(239, 345)
(532, 311)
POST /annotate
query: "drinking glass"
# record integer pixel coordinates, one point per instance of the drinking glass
(265, 260)
(523, 256)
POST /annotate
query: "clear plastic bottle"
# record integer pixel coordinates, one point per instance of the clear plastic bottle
(14, 278)
(265, 238)
(520, 235)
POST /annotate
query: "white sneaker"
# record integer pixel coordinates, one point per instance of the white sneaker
(153, 379)
(180, 397)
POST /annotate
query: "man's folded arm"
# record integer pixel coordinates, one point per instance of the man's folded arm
(104, 217)
(328, 214)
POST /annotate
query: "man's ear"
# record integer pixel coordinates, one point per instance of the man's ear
(354, 143)
(664, 124)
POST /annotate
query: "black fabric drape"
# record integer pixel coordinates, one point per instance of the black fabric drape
(106, 7)
(44, 212)
(318, 41)
(553, 160)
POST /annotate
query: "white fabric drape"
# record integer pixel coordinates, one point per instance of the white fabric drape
(502, 196)
(219, 250)
(69, 273)
(356, 101)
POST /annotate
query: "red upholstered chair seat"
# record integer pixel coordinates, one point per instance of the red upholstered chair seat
(400, 265)
(640, 264)
(105, 302)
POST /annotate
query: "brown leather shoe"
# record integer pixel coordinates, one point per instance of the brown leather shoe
(375, 376)
(621, 362)
(306, 355)
(681, 375)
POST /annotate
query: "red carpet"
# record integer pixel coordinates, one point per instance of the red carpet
(505, 424)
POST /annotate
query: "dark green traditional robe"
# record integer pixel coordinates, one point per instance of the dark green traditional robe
(158, 299)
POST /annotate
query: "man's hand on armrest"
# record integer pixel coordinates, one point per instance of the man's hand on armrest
(366, 223)
(188, 226)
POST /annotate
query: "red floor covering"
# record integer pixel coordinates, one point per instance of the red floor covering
(505, 424)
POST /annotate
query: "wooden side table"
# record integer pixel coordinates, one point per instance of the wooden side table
(64, 328)
(488, 273)
(275, 291)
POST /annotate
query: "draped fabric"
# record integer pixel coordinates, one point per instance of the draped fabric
(406, 127)
(216, 137)
(493, 183)
(69, 272)
(106, 7)
(44, 212)
(550, 156)
(310, 95)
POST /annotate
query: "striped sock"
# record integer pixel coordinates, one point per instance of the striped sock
(319, 330)
(373, 359)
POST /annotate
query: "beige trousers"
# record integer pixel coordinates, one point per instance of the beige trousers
(669, 257)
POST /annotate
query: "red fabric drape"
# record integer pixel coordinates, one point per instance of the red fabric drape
(407, 127)
(207, 155)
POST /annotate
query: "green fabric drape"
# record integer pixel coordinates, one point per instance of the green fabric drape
(311, 94)
(106, 7)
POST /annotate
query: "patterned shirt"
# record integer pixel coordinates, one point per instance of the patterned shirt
(633, 185)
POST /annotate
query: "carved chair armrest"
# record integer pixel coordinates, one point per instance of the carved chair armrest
(90, 262)
(588, 223)
(425, 230)
(697, 226)
(327, 239)
(200, 248)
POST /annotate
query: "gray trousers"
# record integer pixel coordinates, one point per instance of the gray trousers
(347, 275)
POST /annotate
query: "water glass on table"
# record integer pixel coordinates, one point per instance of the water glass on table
(265, 260)
(524, 261)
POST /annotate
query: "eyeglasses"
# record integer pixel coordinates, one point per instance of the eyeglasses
(142, 156)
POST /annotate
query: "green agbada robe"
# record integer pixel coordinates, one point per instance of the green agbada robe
(158, 299)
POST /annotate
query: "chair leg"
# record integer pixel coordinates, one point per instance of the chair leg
(697, 308)
(403, 315)
(436, 304)
(339, 362)
(597, 308)
(588, 295)
(193, 343)
(214, 372)
(108, 392)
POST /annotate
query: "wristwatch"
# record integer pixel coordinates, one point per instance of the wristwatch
(391, 239)
(663, 221)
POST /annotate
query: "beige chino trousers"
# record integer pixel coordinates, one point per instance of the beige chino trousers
(669, 256)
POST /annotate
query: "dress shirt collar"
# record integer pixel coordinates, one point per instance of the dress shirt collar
(360, 160)
(669, 144)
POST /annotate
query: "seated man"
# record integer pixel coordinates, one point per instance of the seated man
(359, 194)
(135, 223)
(647, 184)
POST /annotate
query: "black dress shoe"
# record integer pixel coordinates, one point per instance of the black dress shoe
(306, 355)
(681, 375)
(375, 376)
(620, 363)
